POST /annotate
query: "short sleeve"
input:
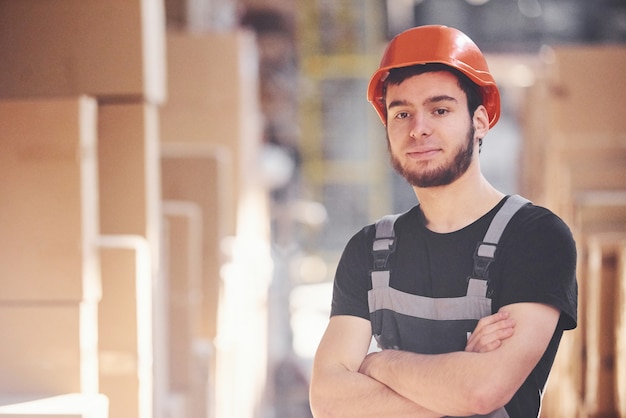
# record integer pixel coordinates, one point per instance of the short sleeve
(537, 263)
(352, 277)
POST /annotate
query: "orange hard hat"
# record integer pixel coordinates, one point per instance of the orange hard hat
(436, 44)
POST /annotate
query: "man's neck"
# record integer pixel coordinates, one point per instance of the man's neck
(453, 207)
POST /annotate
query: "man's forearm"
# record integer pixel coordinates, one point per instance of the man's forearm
(424, 379)
(352, 394)
(468, 383)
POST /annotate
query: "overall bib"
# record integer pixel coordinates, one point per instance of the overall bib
(433, 325)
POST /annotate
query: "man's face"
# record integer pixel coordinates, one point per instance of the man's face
(429, 131)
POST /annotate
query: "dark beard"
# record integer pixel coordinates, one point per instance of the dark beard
(440, 176)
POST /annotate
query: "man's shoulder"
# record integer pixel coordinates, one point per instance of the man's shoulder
(536, 226)
(534, 217)
(406, 219)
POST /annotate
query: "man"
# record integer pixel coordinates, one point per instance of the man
(469, 292)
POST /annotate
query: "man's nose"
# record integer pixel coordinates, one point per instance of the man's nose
(420, 126)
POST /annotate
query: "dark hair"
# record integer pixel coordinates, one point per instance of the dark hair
(472, 90)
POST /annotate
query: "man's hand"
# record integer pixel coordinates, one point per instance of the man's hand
(489, 332)
(487, 336)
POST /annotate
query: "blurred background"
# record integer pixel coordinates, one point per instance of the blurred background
(179, 178)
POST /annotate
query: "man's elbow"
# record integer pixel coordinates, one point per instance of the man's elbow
(317, 408)
(318, 404)
(319, 411)
(484, 399)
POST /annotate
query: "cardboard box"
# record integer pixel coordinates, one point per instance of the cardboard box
(69, 47)
(183, 249)
(48, 348)
(72, 405)
(587, 86)
(125, 330)
(131, 339)
(199, 175)
(49, 214)
(620, 332)
(213, 98)
(576, 102)
(129, 172)
(602, 280)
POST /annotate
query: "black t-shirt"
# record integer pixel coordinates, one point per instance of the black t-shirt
(535, 262)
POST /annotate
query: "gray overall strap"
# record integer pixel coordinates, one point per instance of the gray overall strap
(383, 245)
(486, 250)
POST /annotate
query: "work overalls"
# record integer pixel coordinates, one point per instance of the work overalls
(433, 325)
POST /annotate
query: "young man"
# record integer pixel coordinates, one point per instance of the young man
(469, 292)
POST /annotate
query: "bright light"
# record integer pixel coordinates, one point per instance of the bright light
(522, 75)
(310, 309)
(530, 8)
(241, 342)
(477, 2)
(311, 269)
(309, 212)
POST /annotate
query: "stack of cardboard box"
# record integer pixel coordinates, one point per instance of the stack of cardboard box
(574, 162)
(116, 203)
(210, 142)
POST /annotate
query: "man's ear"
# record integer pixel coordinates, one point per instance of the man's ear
(481, 121)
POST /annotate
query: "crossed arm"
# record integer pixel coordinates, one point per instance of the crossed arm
(348, 382)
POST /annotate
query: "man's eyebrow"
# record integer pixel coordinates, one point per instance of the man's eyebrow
(441, 98)
(397, 103)
(430, 100)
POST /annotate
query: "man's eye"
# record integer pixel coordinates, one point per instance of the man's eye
(441, 112)
(402, 115)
